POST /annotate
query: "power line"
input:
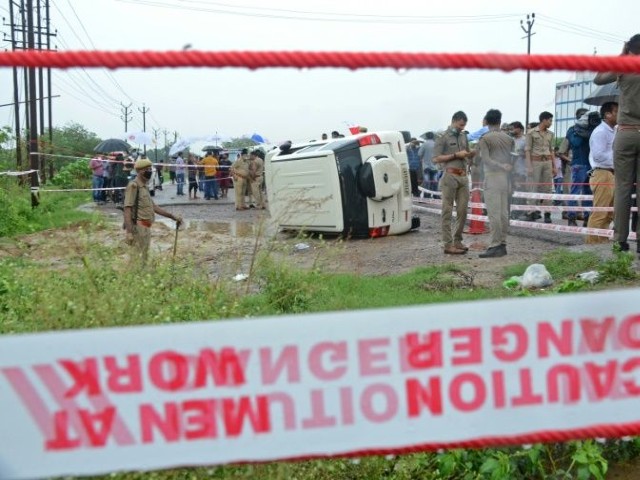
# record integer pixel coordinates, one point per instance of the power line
(83, 44)
(325, 16)
(581, 29)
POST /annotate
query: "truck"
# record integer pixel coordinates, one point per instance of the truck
(356, 186)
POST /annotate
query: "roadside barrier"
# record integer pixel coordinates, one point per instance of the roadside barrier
(481, 219)
(476, 227)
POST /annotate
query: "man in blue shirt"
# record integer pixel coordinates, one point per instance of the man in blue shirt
(578, 139)
(415, 165)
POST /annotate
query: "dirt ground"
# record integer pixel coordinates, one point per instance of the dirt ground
(224, 241)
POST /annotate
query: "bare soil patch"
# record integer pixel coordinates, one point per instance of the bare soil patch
(225, 241)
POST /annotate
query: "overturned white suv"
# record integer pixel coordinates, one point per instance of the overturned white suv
(357, 186)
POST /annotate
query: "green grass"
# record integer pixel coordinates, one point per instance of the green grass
(95, 288)
(561, 264)
(56, 209)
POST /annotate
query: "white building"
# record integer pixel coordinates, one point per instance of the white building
(569, 98)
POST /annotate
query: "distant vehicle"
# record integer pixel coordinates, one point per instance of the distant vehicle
(356, 186)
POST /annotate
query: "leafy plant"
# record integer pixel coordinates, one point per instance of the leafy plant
(619, 267)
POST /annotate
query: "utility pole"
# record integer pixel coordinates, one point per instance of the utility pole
(144, 111)
(16, 97)
(49, 104)
(33, 114)
(165, 132)
(125, 116)
(156, 134)
(530, 21)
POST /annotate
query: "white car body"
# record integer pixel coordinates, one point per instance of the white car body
(357, 186)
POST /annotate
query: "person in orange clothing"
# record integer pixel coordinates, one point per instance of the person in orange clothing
(210, 164)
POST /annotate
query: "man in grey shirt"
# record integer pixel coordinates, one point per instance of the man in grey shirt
(430, 172)
(495, 148)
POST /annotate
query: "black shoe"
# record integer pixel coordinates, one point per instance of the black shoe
(572, 222)
(537, 215)
(531, 217)
(494, 252)
(547, 217)
(586, 222)
(623, 246)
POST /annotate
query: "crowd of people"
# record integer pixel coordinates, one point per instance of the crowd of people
(506, 159)
(599, 156)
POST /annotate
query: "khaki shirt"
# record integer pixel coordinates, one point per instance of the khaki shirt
(145, 204)
(495, 149)
(539, 143)
(448, 144)
(629, 104)
(256, 168)
(241, 167)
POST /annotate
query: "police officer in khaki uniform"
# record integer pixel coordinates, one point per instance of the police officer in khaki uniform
(539, 157)
(240, 174)
(139, 210)
(495, 149)
(626, 146)
(451, 152)
(256, 176)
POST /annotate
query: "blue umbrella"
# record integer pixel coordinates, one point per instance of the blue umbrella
(258, 138)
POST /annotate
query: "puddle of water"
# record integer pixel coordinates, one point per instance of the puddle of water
(235, 228)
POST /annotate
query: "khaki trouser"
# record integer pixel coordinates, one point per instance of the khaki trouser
(141, 243)
(455, 189)
(239, 186)
(542, 180)
(496, 197)
(256, 191)
(602, 186)
(627, 171)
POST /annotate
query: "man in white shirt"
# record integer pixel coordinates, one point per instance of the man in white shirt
(602, 178)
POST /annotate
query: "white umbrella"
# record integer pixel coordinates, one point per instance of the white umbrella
(217, 138)
(180, 145)
(139, 138)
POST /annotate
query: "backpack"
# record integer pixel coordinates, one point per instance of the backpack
(585, 126)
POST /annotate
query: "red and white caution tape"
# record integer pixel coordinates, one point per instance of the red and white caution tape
(18, 174)
(47, 190)
(520, 371)
(524, 224)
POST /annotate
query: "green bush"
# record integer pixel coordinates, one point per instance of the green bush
(15, 207)
(74, 175)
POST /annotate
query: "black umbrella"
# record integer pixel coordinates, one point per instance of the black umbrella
(603, 94)
(112, 145)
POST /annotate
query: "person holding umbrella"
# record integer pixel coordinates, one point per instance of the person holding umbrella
(626, 146)
(139, 211)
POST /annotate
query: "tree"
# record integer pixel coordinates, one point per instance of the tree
(5, 136)
(240, 142)
(72, 140)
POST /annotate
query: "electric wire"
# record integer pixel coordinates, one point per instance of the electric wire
(106, 72)
(328, 17)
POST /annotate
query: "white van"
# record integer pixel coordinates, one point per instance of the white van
(357, 186)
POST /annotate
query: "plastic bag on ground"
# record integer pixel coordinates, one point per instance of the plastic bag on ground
(536, 276)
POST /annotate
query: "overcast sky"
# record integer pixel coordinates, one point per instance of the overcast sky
(291, 104)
